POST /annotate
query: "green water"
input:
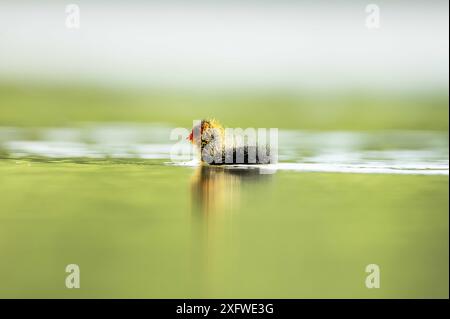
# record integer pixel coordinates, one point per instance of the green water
(142, 229)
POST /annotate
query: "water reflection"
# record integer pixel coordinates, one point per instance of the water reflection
(216, 189)
(216, 195)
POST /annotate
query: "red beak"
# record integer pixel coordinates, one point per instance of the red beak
(190, 137)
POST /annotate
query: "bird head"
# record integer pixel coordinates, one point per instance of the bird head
(206, 131)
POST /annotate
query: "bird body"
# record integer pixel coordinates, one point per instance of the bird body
(217, 148)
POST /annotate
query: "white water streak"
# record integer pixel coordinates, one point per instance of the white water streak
(418, 153)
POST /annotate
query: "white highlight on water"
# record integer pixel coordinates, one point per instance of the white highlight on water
(396, 152)
(336, 168)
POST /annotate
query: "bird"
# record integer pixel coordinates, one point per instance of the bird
(217, 148)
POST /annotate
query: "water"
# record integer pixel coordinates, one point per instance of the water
(347, 152)
(110, 199)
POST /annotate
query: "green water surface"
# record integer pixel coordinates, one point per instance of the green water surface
(143, 229)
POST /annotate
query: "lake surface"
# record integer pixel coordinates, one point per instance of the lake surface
(140, 224)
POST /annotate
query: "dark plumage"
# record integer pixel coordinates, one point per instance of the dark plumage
(209, 137)
(239, 155)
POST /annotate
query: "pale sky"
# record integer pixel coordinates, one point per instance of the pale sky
(287, 44)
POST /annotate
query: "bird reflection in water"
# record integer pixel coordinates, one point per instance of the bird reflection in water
(216, 189)
(216, 193)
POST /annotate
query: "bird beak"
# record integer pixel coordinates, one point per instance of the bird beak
(190, 137)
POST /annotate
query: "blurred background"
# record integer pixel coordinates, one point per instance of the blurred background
(288, 64)
(90, 91)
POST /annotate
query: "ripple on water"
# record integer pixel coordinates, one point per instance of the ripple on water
(396, 152)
